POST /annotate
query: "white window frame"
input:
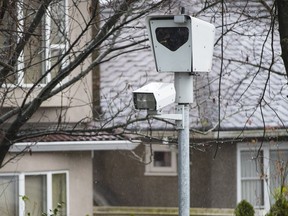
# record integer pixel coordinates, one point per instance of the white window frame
(48, 47)
(48, 174)
(266, 148)
(151, 170)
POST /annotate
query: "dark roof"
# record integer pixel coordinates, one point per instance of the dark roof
(70, 142)
(68, 137)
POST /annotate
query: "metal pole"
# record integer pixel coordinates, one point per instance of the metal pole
(184, 96)
(184, 166)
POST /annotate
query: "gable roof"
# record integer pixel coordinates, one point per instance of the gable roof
(248, 84)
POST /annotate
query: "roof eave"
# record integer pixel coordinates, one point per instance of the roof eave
(74, 146)
(226, 134)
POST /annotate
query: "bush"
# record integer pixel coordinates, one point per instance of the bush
(279, 208)
(244, 208)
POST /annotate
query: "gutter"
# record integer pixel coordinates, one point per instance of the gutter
(74, 146)
(233, 134)
(253, 133)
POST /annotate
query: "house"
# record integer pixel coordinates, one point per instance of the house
(57, 169)
(51, 170)
(238, 120)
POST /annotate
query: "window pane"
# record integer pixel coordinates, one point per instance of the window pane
(8, 37)
(59, 192)
(8, 195)
(252, 181)
(57, 22)
(34, 52)
(33, 60)
(12, 78)
(253, 192)
(250, 165)
(278, 163)
(162, 159)
(55, 55)
(35, 191)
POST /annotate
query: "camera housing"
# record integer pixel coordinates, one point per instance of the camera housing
(154, 96)
(181, 43)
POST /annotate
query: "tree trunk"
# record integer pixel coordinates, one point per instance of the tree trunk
(282, 7)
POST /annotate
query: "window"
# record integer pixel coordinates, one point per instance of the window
(161, 160)
(45, 46)
(252, 181)
(278, 167)
(260, 174)
(33, 193)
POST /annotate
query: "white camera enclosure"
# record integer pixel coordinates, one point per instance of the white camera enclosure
(181, 43)
(154, 96)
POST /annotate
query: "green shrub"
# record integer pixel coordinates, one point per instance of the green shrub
(279, 208)
(244, 208)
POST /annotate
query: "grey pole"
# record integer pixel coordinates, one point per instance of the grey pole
(184, 166)
(184, 96)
